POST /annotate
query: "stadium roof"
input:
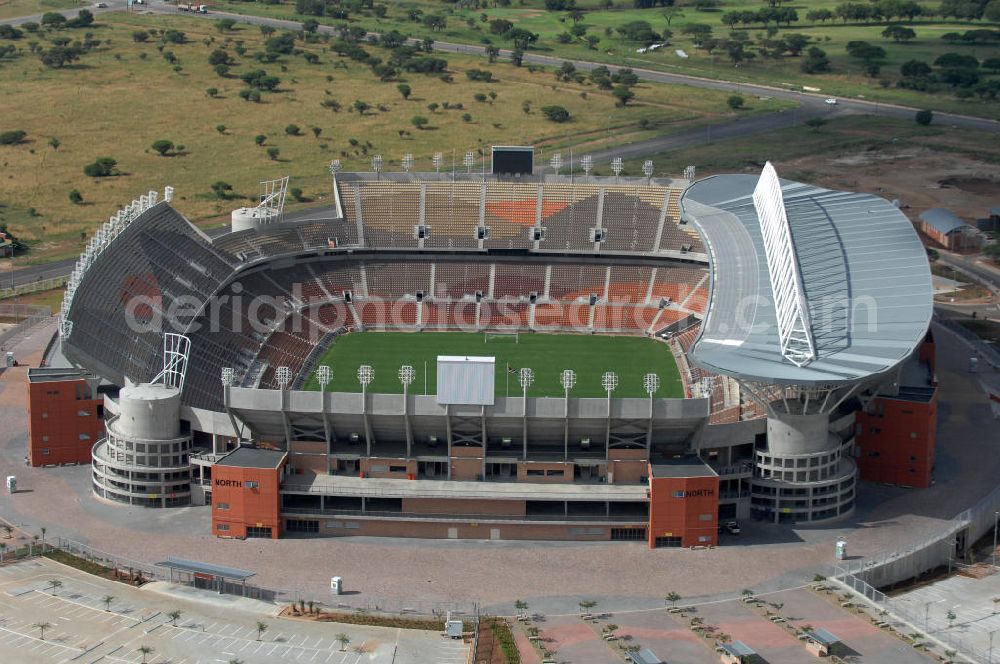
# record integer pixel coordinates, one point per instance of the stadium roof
(863, 272)
(252, 457)
(942, 220)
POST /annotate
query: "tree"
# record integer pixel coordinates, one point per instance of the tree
(735, 102)
(54, 143)
(924, 117)
(317, 131)
(146, 651)
(361, 106)
(556, 113)
(899, 33)
(140, 36)
(673, 598)
(259, 139)
(816, 61)
(53, 20)
(623, 95)
(933, 255)
(915, 69)
(815, 123)
(951, 618)
(174, 616)
(521, 606)
(419, 121)
(467, 117)
(41, 627)
(296, 193)
(586, 605)
(75, 197)
(108, 599)
(212, 92)
(221, 189)
(261, 628)
(221, 128)
(344, 640)
(293, 130)
(405, 90)
(12, 137)
(163, 146)
(101, 168)
(992, 64)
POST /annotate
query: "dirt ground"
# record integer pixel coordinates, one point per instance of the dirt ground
(919, 177)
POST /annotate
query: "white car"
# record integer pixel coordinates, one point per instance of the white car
(101, 5)
(831, 101)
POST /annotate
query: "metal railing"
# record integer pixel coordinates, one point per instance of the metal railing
(333, 513)
(34, 287)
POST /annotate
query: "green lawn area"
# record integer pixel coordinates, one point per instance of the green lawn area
(547, 354)
(14, 8)
(465, 24)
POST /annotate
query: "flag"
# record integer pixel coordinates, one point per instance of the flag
(510, 369)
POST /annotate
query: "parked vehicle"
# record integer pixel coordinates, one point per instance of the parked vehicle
(733, 528)
(831, 101)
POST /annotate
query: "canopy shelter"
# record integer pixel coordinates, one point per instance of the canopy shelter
(208, 576)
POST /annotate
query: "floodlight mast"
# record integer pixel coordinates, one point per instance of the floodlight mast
(647, 169)
(366, 374)
(587, 163)
(407, 162)
(469, 161)
(227, 376)
(406, 376)
(651, 383)
(335, 167)
(568, 379)
(616, 166)
(556, 162)
(377, 165)
(609, 381)
(284, 376)
(323, 376)
(525, 376)
(438, 161)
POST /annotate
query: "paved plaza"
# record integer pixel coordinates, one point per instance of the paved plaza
(83, 627)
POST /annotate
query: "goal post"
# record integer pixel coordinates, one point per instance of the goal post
(500, 336)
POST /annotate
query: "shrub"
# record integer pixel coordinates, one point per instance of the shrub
(53, 20)
(924, 117)
(296, 193)
(101, 168)
(212, 92)
(556, 113)
(140, 36)
(623, 95)
(272, 154)
(163, 146)
(404, 90)
(55, 143)
(12, 137)
(419, 121)
(317, 131)
(259, 139)
(331, 104)
(735, 102)
(293, 130)
(221, 128)
(75, 197)
(222, 189)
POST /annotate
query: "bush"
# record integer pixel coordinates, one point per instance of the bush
(140, 36)
(556, 113)
(75, 197)
(735, 102)
(101, 168)
(404, 90)
(259, 139)
(222, 189)
(163, 146)
(212, 92)
(924, 117)
(221, 128)
(293, 130)
(623, 95)
(53, 20)
(272, 154)
(12, 137)
(296, 193)
(467, 117)
(419, 121)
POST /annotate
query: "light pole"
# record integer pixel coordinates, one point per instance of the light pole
(377, 165)
(406, 376)
(609, 381)
(650, 383)
(996, 515)
(556, 162)
(526, 377)
(284, 376)
(437, 161)
(323, 376)
(587, 163)
(469, 161)
(407, 162)
(616, 166)
(568, 379)
(365, 376)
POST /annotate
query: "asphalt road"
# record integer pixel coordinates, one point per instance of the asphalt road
(809, 105)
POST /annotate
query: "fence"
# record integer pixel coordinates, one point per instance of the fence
(29, 320)
(347, 603)
(986, 352)
(34, 287)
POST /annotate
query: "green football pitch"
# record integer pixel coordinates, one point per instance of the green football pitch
(547, 354)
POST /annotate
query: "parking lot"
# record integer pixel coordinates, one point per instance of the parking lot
(81, 625)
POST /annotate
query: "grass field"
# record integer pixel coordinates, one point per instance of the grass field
(13, 8)
(123, 96)
(547, 354)
(846, 78)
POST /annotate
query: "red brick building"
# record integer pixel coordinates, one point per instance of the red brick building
(65, 416)
(683, 504)
(246, 499)
(896, 432)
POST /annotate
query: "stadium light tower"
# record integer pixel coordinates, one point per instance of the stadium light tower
(377, 163)
(335, 167)
(284, 376)
(647, 168)
(227, 376)
(365, 376)
(587, 163)
(616, 166)
(567, 379)
(556, 162)
(650, 383)
(609, 381)
(323, 376)
(407, 162)
(406, 376)
(438, 161)
(689, 173)
(525, 376)
(469, 161)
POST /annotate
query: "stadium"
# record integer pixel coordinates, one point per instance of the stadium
(505, 355)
